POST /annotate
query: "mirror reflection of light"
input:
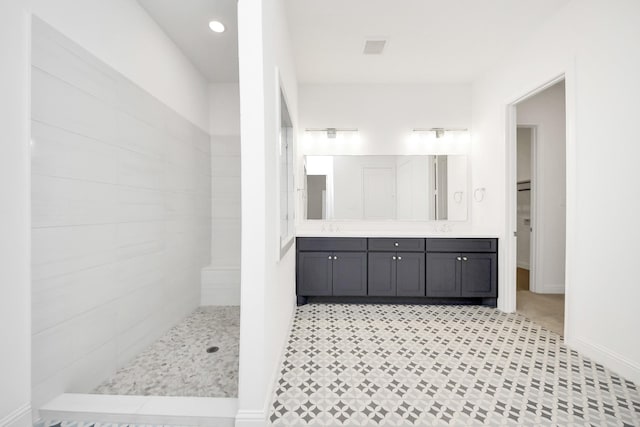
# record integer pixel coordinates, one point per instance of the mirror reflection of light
(451, 142)
(341, 137)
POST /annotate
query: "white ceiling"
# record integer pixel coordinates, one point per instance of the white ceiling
(186, 22)
(428, 40)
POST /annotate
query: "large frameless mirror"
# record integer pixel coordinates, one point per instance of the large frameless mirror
(405, 188)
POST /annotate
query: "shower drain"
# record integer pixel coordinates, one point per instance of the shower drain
(213, 349)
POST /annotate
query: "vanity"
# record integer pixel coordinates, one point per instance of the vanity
(397, 270)
(375, 194)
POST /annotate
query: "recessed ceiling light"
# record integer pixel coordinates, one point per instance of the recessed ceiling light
(216, 26)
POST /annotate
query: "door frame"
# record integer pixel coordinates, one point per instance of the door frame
(535, 205)
(507, 301)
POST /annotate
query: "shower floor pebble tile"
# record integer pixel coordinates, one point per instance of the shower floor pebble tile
(178, 364)
(93, 424)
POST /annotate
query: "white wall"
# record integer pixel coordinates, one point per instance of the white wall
(15, 310)
(122, 34)
(589, 41)
(546, 111)
(121, 208)
(224, 112)
(268, 284)
(221, 279)
(136, 48)
(385, 115)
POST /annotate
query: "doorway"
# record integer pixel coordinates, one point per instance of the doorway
(540, 206)
(524, 146)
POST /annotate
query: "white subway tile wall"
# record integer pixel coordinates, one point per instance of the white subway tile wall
(221, 280)
(121, 217)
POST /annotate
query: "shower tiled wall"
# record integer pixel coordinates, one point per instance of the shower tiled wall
(121, 217)
(221, 279)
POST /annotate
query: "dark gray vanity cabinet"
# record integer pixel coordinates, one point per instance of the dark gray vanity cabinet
(479, 275)
(452, 272)
(443, 275)
(399, 273)
(315, 273)
(406, 270)
(331, 267)
(349, 273)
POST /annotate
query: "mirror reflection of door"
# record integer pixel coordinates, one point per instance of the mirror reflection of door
(440, 191)
(412, 186)
(316, 196)
(405, 190)
(378, 190)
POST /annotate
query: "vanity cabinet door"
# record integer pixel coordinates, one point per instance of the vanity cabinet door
(382, 274)
(410, 274)
(349, 273)
(479, 273)
(315, 273)
(443, 274)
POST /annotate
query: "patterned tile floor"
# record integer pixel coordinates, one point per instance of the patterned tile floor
(409, 365)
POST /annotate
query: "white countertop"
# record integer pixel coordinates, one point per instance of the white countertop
(417, 229)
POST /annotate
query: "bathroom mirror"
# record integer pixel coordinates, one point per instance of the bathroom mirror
(418, 188)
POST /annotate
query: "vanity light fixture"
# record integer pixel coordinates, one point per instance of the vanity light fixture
(216, 26)
(439, 132)
(442, 140)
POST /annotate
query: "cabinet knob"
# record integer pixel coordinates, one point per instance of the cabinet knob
(329, 257)
(396, 244)
(399, 258)
(393, 257)
(458, 258)
(464, 258)
(335, 257)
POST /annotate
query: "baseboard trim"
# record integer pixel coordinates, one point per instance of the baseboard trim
(523, 265)
(550, 289)
(275, 374)
(610, 359)
(251, 418)
(20, 417)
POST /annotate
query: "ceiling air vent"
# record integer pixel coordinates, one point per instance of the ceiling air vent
(374, 47)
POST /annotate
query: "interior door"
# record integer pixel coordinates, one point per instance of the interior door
(378, 191)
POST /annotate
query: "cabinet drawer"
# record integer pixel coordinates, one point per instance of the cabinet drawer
(462, 245)
(397, 245)
(332, 244)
